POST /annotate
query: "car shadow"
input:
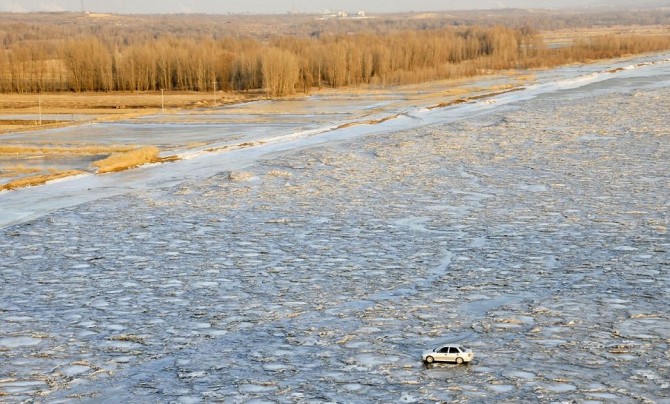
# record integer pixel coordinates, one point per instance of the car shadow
(446, 365)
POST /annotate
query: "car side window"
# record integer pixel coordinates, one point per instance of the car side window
(444, 350)
(454, 350)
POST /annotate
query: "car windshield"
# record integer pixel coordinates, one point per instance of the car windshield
(464, 348)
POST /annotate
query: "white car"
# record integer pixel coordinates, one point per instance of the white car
(448, 353)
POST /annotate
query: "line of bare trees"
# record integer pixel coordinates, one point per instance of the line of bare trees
(282, 65)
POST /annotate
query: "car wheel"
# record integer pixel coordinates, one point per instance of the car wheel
(459, 360)
(430, 359)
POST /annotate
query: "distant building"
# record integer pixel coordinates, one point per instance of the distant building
(328, 14)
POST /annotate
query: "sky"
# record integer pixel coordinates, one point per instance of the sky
(283, 6)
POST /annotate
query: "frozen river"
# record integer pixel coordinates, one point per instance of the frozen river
(316, 265)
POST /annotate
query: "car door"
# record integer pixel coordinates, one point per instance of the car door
(453, 354)
(442, 354)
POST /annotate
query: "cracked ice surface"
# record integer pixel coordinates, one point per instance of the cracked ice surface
(537, 236)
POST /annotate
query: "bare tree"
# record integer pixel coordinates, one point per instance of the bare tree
(280, 72)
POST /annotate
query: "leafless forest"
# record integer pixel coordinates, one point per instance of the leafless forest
(286, 54)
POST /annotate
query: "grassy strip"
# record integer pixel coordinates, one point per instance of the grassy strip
(131, 159)
(38, 180)
(22, 149)
(29, 122)
(14, 171)
(475, 98)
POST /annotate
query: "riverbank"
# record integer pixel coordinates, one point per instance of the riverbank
(39, 151)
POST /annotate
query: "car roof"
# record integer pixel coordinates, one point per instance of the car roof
(450, 345)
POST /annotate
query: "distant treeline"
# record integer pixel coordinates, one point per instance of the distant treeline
(124, 30)
(44, 59)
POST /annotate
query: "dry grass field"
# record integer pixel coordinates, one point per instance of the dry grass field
(567, 36)
(74, 108)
